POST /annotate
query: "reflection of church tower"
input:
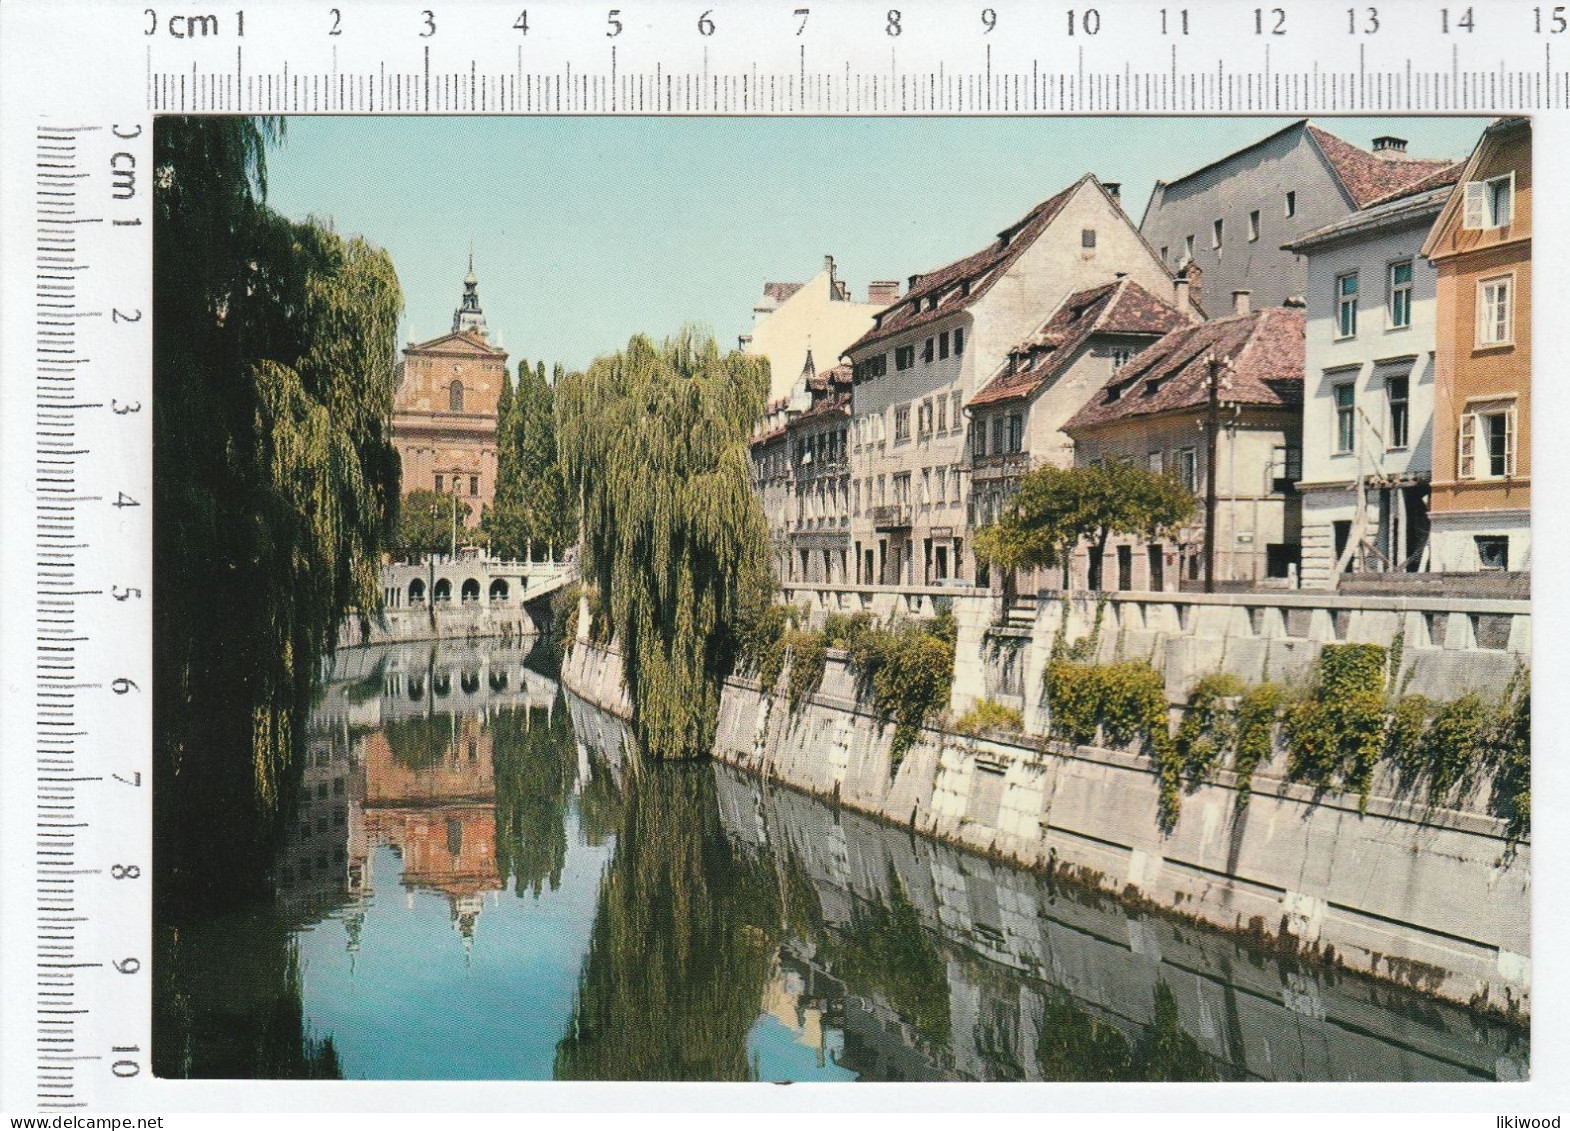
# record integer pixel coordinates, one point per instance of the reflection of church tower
(468, 318)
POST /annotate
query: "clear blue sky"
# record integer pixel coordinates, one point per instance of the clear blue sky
(589, 230)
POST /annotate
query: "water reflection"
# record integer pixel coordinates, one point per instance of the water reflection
(475, 881)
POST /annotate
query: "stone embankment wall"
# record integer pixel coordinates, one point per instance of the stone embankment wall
(454, 622)
(1436, 899)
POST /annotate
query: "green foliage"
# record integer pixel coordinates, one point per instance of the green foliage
(653, 441)
(808, 657)
(1056, 508)
(1209, 726)
(1510, 758)
(987, 715)
(1075, 1046)
(429, 523)
(907, 671)
(275, 481)
(532, 509)
(1117, 703)
(1336, 736)
(1257, 716)
(535, 763)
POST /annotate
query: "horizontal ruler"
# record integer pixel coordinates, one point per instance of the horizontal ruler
(794, 57)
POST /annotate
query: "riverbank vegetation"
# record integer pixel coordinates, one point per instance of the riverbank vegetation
(533, 512)
(653, 443)
(1335, 733)
(275, 482)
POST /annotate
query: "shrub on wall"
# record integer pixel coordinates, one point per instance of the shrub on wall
(907, 672)
(1209, 726)
(1337, 735)
(1257, 715)
(989, 715)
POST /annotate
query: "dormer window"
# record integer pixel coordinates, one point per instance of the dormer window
(1490, 203)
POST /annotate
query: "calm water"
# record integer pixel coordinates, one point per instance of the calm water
(478, 883)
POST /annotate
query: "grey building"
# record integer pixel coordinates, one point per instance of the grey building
(1230, 218)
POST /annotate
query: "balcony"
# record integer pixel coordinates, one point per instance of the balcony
(895, 516)
(983, 468)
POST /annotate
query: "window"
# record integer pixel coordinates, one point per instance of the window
(1286, 468)
(955, 399)
(943, 414)
(1215, 235)
(1400, 287)
(926, 487)
(1016, 432)
(855, 496)
(1400, 410)
(1188, 247)
(1253, 226)
(455, 397)
(904, 357)
(1487, 441)
(1493, 312)
(943, 486)
(978, 439)
(474, 484)
(902, 489)
(902, 423)
(1291, 204)
(440, 480)
(1188, 469)
(1087, 237)
(958, 490)
(1156, 462)
(926, 351)
(1163, 253)
(998, 436)
(1346, 305)
(1490, 203)
(882, 494)
(1493, 551)
(1120, 358)
(1346, 422)
(943, 345)
(959, 344)
(924, 418)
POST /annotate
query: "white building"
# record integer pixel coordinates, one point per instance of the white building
(1368, 404)
(929, 351)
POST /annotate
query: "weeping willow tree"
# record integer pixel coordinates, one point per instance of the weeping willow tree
(532, 511)
(654, 443)
(275, 483)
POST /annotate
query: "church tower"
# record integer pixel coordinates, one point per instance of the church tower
(444, 414)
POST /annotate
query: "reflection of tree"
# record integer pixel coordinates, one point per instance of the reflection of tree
(420, 742)
(228, 1006)
(1076, 1046)
(534, 760)
(885, 950)
(679, 955)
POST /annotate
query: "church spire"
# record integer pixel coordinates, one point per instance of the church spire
(468, 317)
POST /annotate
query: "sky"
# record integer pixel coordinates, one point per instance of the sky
(588, 230)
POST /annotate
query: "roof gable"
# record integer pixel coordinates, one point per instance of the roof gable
(1449, 217)
(1123, 308)
(1368, 178)
(460, 342)
(1266, 348)
(960, 284)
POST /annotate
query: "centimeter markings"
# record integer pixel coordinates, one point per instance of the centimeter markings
(59, 633)
(1086, 73)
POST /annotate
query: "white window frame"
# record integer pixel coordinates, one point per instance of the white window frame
(1480, 213)
(1470, 435)
(1484, 322)
(1337, 409)
(1390, 415)
(1394, 289)
(1253, 226)
(1342, 301)
(1217, 228)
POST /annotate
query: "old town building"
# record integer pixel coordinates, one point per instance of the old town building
(1481, 245)
(1231, 218)
(929, 351)
(444, 413)
(1016, 420)
(1368, 397)
(1154, 411)
(791, 320)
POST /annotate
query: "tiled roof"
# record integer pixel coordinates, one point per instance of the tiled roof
(836, 404)
(1266, 348)
(1369, 178)
(839, 377)
(955, 287)
(1405, 207)
(1443, 177)
(1123, 307)
(779, 292)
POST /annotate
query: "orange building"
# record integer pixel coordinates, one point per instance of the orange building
(1481, 246)
(444, 414)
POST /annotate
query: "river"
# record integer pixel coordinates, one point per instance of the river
(477, 881)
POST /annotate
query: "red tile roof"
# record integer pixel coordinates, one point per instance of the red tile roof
(779, 292)
(955, 287)
(1447, 175)
(1369, 178)
(1266, 348)
(1123, 307)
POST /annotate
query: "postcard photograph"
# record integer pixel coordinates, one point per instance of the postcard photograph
(842, 599)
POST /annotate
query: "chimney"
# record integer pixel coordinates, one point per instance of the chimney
(1240, 304)
(828, 265)
(883, 292)
(1114, 189)
(1180, 291)
(914, 279)
(1390, 148)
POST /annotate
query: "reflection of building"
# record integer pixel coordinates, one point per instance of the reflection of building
(318, 865)
(809, 1004)
(444, 416)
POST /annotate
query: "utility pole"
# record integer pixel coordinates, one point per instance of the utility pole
(454, 549)
(1214, 365)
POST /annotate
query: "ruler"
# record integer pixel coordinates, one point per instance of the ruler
(82, 84)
